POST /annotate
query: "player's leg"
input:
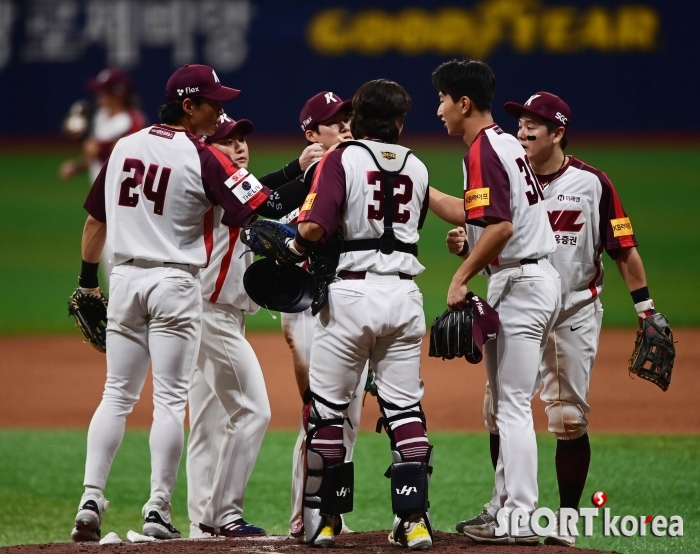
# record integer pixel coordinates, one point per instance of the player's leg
(175, 306)
(342, 339)
(233, 371)
(127, 367)
(207, 428)
(527, 301)
(395, 359)
(566, 373)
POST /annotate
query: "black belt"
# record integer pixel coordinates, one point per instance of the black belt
(374, 244)
(524, 261)
(131, 261)
(345, 274)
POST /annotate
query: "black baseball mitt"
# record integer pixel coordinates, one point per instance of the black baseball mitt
(654, 352)
(270, 239)
(451, 336)
(90, 313)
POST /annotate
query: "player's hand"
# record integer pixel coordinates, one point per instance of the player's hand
(457, 296)
(455, 240)
(312, 153)
(68, 170)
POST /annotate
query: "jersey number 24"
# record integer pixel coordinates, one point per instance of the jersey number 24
(136, 168)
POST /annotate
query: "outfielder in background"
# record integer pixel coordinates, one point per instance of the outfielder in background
(325, 120)
(150, 198)
(116, 116)
(377, 191)
(586, 217)
(509, 239)
(229, 408)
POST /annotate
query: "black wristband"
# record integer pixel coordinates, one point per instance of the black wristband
(640, 295)
(304, 243)
(464, 250)
(88, 276)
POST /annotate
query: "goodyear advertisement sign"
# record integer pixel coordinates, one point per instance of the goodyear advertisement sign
(623, 65)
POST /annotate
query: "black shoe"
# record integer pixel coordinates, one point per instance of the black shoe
(88, 522)
(154, 526)
(483, 517)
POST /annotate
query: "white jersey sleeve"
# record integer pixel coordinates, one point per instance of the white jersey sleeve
(586, 217)
(156, 187)
(347, 191)
(500, 184)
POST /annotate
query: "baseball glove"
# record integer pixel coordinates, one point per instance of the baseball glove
(451, 336)
(654, 352)
(90, 313)
(271, 239)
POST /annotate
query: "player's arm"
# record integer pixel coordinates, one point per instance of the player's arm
(491, 243)
(94, 232)
(630, 265)
(446, 207)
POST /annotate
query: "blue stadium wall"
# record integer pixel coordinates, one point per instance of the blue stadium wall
(626, 65)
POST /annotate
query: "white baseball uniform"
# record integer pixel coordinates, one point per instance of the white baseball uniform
(299, 331)
(525, 290)
(153, 193)
(231, 372)
(586, 217)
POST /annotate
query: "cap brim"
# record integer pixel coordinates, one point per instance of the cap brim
(334, 109)
(515, 109)
(222, 94)
(245, 126)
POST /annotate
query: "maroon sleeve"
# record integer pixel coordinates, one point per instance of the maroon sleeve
(220, 186)
(95, 202)
(326, 201)
(488, 186)
(615, 227)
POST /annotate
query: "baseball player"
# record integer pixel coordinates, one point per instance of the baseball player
(150, 200)
(376, 191)
(509, 239)
(116, 116)
(325, 120)
(586, 217)
(229, 408)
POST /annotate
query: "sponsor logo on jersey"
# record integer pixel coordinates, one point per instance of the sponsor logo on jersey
(476, 198)
(568, 198)
(163, 133)
(306, 206)
(237, 177)
(245, 187)
(564, 221)
(389, 155)
(621, 227)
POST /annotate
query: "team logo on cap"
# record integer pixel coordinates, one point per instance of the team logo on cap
(330, 98)
(533, 97)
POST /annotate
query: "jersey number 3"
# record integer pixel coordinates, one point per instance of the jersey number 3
(136, 168)
(534, 195)
(401, 213)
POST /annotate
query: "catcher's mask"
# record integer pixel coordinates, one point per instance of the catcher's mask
(281, 287)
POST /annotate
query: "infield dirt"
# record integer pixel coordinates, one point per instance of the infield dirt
(57, 382)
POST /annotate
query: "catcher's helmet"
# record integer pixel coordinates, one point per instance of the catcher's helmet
(281, 287)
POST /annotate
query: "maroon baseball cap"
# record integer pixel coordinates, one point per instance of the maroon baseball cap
(227, 125)
(111, 80)
(197, 80)
(485, 325)
(545, 105)
(321, 108)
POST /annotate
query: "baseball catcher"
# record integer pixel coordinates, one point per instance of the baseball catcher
(654, 352)
(89, 308)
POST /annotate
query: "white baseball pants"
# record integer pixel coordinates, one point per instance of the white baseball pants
(232, 371)
(153, 317)
(527, 299)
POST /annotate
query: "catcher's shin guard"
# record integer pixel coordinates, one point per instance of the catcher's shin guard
(328, 488)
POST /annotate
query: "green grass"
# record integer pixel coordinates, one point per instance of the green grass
(41, 221)
(41, 475)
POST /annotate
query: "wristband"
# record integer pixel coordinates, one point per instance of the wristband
(465, 249)
(640, 295)
(88, 275)
(304, 243)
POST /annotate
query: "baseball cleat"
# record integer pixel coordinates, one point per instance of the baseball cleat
(326, 537)
(486, 534)
(88, 521)
(238, 528)
(556, 538)
(483, 517)
(415, 537)
(157, 523)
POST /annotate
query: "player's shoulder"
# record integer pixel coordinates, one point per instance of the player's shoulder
(589, 170)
